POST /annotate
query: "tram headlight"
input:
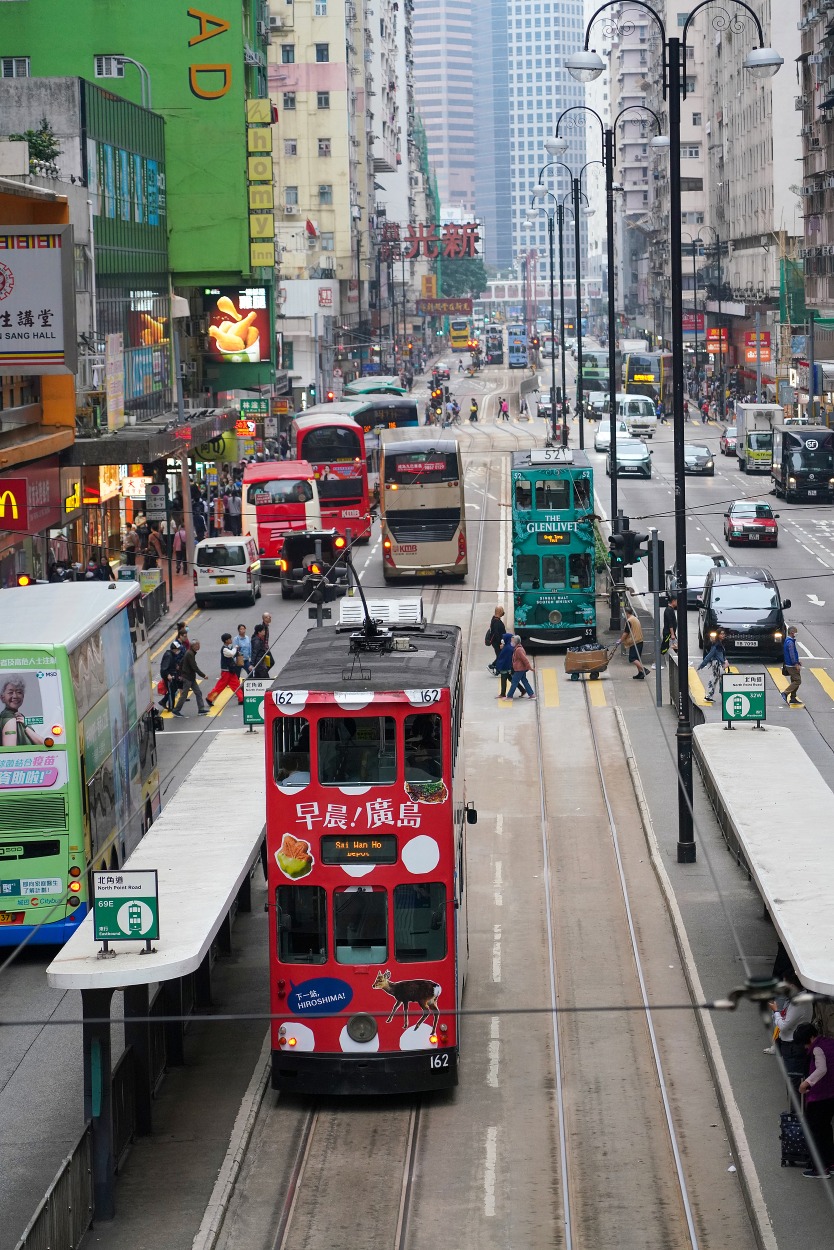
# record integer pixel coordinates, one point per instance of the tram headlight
(555, 617)
(362, 1028)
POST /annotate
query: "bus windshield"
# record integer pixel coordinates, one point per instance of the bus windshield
(329, 443)
(418, 468)
(282, 490)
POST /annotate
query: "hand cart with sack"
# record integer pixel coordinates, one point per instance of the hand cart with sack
(591, 660)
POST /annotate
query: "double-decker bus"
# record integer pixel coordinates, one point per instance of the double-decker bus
(365, 834)
(279, 495)
(594, 371)
(459, 335)
(422, 506)
(79, 783)
(517, 346)
(384, 385)
(494, 345)
(334, 444)
(553, 547)
(649, 373)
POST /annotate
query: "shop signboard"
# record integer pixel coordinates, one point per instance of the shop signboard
(717, 340)
(114, 380)
(30, 497)
(254, 408)
(238, 324)
(37, 300)
(751, 354)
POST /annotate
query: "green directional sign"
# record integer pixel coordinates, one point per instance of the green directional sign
(743, 697)
(126, 905)
(254, 691)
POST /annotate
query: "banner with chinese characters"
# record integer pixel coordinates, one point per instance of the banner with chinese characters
(37, 300)
(453, 241)
(444, 307)
(750, 355)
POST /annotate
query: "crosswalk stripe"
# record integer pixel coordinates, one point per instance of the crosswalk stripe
(697, 691)
(550, 685)
(776, 673)
(825, 681)
(596, 693)
(220, 702)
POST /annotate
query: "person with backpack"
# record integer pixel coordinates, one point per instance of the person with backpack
(495, 636)
(189, 673)
(169, 674)
(504, 663)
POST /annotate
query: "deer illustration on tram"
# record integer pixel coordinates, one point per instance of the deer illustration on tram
(422, 992)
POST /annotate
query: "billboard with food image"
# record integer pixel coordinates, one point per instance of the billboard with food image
(238, 324)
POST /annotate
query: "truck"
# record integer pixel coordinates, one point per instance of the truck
(803, 462)
(754, 435)
(632, 345)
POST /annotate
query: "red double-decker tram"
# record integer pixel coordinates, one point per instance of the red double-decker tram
(334, 444)
(366, 821)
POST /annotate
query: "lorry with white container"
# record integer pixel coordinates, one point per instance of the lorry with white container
(754, 435)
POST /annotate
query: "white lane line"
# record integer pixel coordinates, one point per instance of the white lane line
(489, 1171)
(501, 732)
(496, 953)
(498, 884)
(499, 819)
(493, 1052)
(806, 650)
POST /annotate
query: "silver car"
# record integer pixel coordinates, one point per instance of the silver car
(602, 435)
(633, 459)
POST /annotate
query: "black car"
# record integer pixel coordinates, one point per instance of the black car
(746, 604)
(698, 565)
(697, 458)
(303, 572)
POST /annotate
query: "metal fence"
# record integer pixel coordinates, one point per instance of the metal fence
(66, 1211)
(124, 1106)
(155, 604)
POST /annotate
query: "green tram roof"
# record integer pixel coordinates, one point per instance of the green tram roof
(521, 460)
(322, 661)
(59, 614)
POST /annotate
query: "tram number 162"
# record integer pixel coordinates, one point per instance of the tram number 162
(440, 1060)
(423, 697)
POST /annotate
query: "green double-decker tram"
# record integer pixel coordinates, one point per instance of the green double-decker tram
(553, 547)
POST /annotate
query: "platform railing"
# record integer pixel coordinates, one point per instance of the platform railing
(66, 1211)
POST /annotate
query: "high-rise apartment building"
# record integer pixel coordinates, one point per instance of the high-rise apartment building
(444, 82)
(815, 115)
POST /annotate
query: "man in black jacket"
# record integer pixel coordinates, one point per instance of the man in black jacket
(495, 634)
(189, 673)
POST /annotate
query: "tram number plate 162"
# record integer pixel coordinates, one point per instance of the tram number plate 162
(423, 697)
(440, 1060)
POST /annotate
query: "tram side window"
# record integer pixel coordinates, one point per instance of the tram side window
(527, 573)
(301, 912)
(291, 751)
(357, 751)
(360, 925)
(523, 495)
(581, 572)
(423, 747)
(419, 922)
(553, 572)
(582, 494)
(552, 495)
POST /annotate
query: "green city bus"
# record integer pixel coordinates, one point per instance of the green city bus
(553, 547)
(79, 782)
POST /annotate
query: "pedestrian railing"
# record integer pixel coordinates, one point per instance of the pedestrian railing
(155, 604)
(65, 1214)
(124, 1106)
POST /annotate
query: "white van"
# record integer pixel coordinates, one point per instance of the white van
(638, 412)
(226, 566)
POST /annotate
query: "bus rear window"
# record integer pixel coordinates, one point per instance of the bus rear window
(282, 490)
(330, 443)
(357, 751)
(360, 925)
(301, 916)
(421, 468)
(221, 556)
(419, 922)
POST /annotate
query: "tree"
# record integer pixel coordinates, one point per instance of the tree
(43, 143)
(466, 276)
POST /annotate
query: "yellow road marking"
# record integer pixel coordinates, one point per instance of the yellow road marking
(596, 693)
(550, 685)
(220, 702)
(825, 681)
(697, 691)
(168, 641)
(733, 668)
(780, 681)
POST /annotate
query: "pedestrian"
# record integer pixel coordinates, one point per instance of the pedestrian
(473, 409)
(716, 659)
(155, 550)
(169, 673)
(235, 510)
(105, 569)
(189, 672)
(632, 637)
(200, 521)
(669, 640)
(180, 548)
(130, 546)
(704, 411)
(786, 1019)
(266, 621)
(259, 652)
(818, 1088)
(495, 636)
(140, 524)
(504, 663)
(521, 666)
(460, 366)
(505, 410)
(219, 516)
(791, 667)
(229, 677)
(244, 649)
(661, 412)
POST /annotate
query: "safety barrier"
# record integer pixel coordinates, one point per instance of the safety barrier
(155, 604)
(66, 1211)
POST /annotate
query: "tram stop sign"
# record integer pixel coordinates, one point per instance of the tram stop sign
(743, 697)
(126, 905)
(254, 692)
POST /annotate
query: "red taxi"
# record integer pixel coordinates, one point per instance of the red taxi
(749, 521)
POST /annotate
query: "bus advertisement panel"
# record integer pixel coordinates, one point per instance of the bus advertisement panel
(335, 446)
(422, 510)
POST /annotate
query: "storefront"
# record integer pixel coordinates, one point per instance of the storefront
(66, 540)
(100, 495)
(30, 506)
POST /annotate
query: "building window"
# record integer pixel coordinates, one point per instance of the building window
(696, 119)
(327, 239)
(291, 196)
(322, 99)
(682, 19)
(691, 151)
(322, 52)
(288, 54)
(289, 100)
(325, 193)
(18, 66)
(106, 67)
(324, 147)
(690, 85)
(321, 8)
(290, 147)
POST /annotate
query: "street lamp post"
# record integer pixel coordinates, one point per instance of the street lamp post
(717, 245)
(586, 66)
(531, 217)
(693, 243)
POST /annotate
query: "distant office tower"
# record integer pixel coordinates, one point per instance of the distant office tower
(444, 88)
(521, 88)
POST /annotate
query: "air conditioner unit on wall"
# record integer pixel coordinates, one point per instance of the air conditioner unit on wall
(291, 209)
(276, 21)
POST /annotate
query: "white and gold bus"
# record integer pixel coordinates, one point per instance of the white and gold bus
(422, 507)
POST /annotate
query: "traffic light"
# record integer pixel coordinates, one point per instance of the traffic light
(535, 340)
(23, 579)
(330, 396)
(637, 546)
(311, 391)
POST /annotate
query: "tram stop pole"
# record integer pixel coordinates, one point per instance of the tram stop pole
(655, 548)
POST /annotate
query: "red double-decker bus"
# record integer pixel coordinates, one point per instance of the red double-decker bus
(278, 495)
(334, 444)
(365, 835)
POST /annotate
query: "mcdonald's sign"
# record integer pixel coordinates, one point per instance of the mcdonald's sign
(14, 507)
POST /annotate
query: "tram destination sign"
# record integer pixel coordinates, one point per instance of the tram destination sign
(362, 848)
(126, 905)
(743, 697)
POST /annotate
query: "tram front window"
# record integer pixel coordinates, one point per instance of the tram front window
(553, 572)
(527, 572)
(582, 494)
(357, 751)
(553, 495)
(581, 573)
(423, 747)
(523, 495)
(360, 925)
(301, 912)
(419, 922)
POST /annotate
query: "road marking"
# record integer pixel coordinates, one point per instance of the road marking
(500, 733)
(779, 681)
(496, 954)
(220, 702)
(697, 691)
(804, 649)
(494, 1052)
(168, 641)
(825, 681)
(550, 682)
(596, 694)
(497, 884)
(489, 1171)
(499, 825)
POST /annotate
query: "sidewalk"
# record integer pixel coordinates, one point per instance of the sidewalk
(179, 606)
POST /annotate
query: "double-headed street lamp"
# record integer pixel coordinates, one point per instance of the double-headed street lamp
(532, 217)
(585, 66)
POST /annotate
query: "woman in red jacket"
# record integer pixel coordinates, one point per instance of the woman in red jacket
(521, 667)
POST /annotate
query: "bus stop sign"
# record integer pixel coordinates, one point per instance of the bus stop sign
(254, 691)
(126, 905)
(743, 698)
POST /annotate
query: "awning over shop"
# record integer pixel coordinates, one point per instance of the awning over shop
(153, 440)
(23, 443)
